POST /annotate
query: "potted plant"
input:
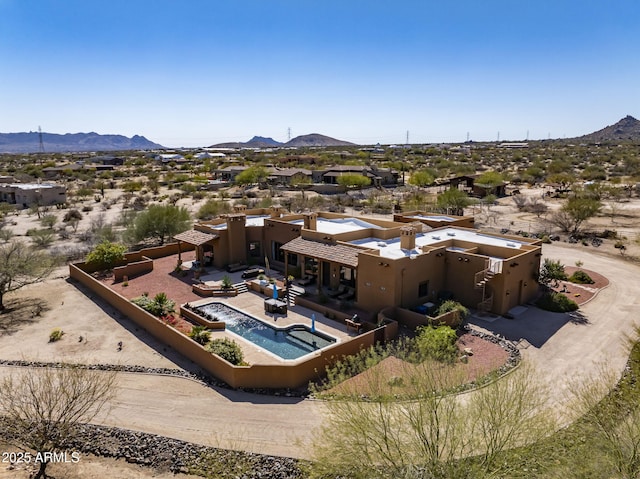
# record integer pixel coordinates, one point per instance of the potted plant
(226, 282)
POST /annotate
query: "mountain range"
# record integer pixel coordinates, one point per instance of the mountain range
(55, 143)
(314, 139)
(625, 130)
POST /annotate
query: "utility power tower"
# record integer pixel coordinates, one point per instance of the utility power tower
(41, 143)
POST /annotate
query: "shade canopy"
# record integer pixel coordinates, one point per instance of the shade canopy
(194, 237)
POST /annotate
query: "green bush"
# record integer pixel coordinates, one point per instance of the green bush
(160, 305)
(55, 335)
(580, 277)
(437, 343)
(557, 303)
(200, 335)
(228, 350)
(107, 254)
(451, 305)
(41, 238)
(226, 282)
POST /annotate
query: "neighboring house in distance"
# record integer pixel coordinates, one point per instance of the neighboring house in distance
(468, 183)
(378, 176)
(287, 176)
(26, 194)
(107, 160)
(229, 173)
(169, 157)
(57, 171)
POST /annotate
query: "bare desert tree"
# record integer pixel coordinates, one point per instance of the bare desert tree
(21, 265)
(42, 407)
(609, 429)
(431, 435)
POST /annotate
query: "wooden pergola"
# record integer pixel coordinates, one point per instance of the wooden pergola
(195, 238)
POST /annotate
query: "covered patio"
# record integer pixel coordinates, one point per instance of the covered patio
(203, 243)
(334, 266)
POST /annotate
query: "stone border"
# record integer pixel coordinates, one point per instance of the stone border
(163, 453)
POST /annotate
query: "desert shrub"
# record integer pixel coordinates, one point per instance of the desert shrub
(71, 215)
(557, 303)
(437, 343)
(551, 272)
(451, 305)
(228, 350)
(200, 335)
(160, 305)
(48, 221)
(212, 208)
(107, 254)
(55, 335)
(580, 277)
(41, 238)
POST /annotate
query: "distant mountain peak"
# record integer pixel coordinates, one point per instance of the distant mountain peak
(314, 139)
(627, 129)
(265, 140)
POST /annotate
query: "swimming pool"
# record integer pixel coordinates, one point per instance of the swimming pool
(291, 342)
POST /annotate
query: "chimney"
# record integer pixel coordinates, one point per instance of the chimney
(311, 221)
(275, 212)
(407, 238)
(239, 208)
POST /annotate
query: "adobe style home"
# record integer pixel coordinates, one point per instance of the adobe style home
(24, 195)
(378, 263)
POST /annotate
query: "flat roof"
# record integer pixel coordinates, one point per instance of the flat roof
(338, 225)
(30, 186)
(391, 248)
(431, 217)
(252, 220)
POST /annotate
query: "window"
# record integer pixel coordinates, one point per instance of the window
(254, 249)
(292, 259)
(277, 253)
(423, 289)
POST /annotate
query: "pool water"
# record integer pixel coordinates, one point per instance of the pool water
(288, 343)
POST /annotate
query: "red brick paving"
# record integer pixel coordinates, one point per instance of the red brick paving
(161, 280)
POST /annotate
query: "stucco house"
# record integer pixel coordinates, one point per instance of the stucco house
(379, 263)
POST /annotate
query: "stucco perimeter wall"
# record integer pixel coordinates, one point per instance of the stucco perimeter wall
(143, 254)
(294, 375)
(133, 269)
(413, 320)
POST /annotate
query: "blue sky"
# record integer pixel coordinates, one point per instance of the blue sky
(198, 72)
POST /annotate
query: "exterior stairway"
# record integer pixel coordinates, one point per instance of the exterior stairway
(481, 280)
(294, 292)
(241, 287)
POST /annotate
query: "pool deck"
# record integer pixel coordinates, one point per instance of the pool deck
(253, 304)
(179, 289)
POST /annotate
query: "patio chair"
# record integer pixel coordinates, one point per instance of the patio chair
(342, 289)
(349, 294)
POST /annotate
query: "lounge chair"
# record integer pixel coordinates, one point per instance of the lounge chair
(350, 294)
(342, 289)
(306, 281)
